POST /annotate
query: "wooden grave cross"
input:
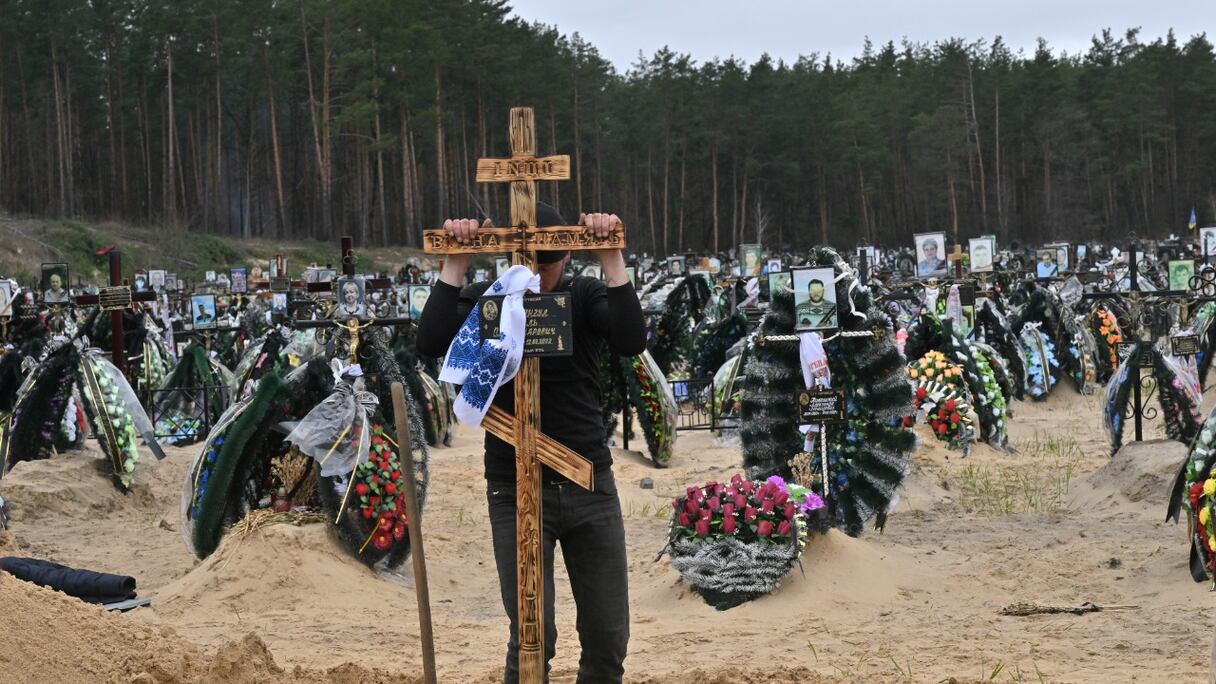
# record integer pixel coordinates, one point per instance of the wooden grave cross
(523, 430)
(115, 298)
(956, 258)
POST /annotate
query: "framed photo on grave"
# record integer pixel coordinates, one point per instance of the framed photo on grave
(675, 265)
(780, 281)
(171, 284)
(6, 299)
(1045, 262)
(352, 298)
(240, 279)
(54, 283)
(202, 311)
(139, 281)
(981, 251)
(814, 298)
(930, 255)
(419, 295)
(1180, 273)
(156, 279)
(501, 264)
(1207, 241)
(749, 260)
(278, 303)
(774, 265)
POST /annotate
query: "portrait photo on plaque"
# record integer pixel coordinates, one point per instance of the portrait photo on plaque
(814, 298)
(6, 299)
(202, 311)
(774, 265)
(419, 295)
(980, 251)
(240, 279)
(779, 282)
(1045, 262)
(1181, 271)
(278, 303)
(1207, 241)
(749, 260)
(1063, 260)
(55, 283)
(139, 281)
(156, 279)
(930, 255)
(171, 283)
(351, 298)
(675, 265)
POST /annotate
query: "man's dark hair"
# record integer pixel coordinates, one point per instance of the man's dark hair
(813, 281)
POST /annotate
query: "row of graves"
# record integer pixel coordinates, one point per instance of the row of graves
(281, 385)
(820, 364)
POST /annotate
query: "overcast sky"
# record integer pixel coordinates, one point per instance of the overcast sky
(788, 28)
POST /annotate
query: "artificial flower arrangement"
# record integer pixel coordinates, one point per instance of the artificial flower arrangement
(1195, 488)
(983, 389)
(1041, 362)
(651, 396)
(733, 542)
(116, 416)
(935, 367)
(379, 494)
(945, 411)
(1108, 338)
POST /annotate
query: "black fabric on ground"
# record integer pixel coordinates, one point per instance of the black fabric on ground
(86, 585)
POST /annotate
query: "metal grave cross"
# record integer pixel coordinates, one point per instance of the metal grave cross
(523, 430)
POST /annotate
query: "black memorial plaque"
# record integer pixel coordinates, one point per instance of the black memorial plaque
(820, 406)
(1184, 345)
(550, 330)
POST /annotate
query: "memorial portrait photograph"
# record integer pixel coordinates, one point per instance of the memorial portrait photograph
(351, 300)
(55, 283)
(419, 294)
(814, 298)
(202, 311)
(981, 251)
(930, 255)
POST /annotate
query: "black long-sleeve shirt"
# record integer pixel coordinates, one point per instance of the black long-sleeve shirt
(570, 395)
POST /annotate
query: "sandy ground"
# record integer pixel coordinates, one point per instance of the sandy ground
(1057, 523)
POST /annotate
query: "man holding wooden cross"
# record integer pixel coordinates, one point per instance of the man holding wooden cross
(588, 523)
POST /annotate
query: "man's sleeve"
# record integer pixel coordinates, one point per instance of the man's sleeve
(616, 314)
(442, 316)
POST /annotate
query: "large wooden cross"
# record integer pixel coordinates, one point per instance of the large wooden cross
(523, 430)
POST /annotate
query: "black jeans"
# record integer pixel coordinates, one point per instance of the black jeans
(592, 535)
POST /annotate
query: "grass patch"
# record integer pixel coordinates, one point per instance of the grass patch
(1039, 482)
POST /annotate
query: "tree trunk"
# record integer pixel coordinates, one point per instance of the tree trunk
(713, 163)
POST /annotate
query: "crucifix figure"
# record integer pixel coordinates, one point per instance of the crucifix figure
(544, 466)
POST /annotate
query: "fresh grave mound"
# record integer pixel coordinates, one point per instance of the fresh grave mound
(75, 485)
(268, 574)
(1139, 471)
(51, 637)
